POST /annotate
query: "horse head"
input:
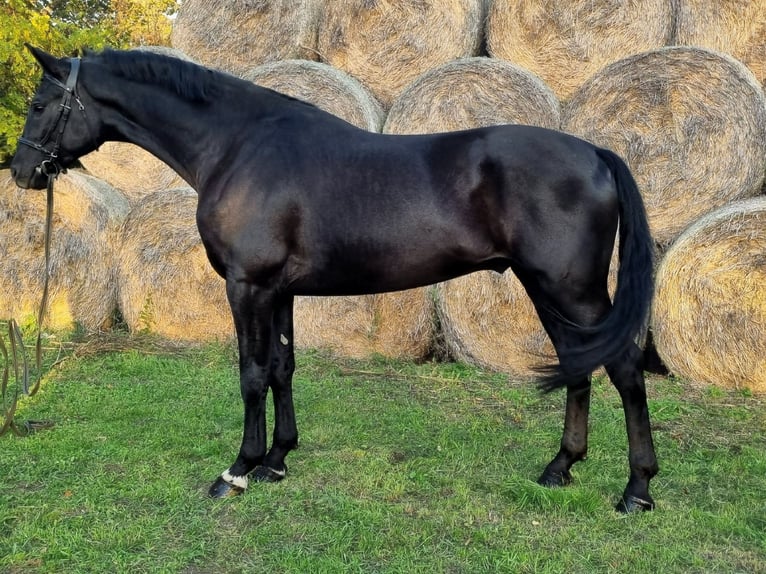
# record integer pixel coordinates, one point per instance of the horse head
(57, 130)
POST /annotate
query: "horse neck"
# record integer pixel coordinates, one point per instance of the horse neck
(162, 123)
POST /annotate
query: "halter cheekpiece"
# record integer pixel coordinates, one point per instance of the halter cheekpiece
(50, 166)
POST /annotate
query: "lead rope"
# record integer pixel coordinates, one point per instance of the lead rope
(16, 341)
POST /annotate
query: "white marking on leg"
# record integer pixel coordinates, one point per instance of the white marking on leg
(238, 481)
(284, 340)
(280, 473)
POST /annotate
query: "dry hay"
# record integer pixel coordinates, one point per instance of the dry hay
(398, 325)
(567, 42)
(326, 87)
(235, 35)
(129, 168)
(489, 320)
(691, 124)
(386, 44)
(737, 27)
(82, 288)
(473, 92)
(167, 285)
(709, 313)
(132, 170)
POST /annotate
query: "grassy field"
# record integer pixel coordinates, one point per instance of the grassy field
(402, 468)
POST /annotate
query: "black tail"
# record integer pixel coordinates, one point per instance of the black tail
(607, 340)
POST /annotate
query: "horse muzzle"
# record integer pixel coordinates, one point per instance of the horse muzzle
(37, 178)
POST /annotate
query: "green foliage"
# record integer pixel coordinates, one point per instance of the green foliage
(64, 27)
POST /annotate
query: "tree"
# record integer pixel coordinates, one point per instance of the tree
(64, 27)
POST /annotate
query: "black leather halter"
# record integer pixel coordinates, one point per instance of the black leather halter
(50, 165)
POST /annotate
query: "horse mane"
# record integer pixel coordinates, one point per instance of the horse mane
(190, 81)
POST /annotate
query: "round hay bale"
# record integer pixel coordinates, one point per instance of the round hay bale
(235, 35)
(387, 44)
(489, 320)
(326, 87)
(690, 123)
(132, 170)
(470, 93)
(737, 27)
(567, 42)
(129, 168)
(86, 213)
(709, 312)
(167, 285)
(397, 325)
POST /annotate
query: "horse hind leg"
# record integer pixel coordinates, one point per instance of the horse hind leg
(627, 376)
(626, 373)
(552, 302)
(574, 440)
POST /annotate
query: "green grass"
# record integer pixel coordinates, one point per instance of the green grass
(402, 468)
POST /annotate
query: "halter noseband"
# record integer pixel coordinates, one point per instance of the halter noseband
(50, 166)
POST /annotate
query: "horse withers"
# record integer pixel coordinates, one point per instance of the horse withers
(294, 201)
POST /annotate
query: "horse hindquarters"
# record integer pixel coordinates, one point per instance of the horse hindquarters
(570, 294)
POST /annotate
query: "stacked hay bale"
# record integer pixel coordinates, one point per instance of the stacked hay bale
(397, 325)
(487, 318)
(128, 168)
(386, 44)
(391, 324)
(567, 42)
(167, 285)
(737, 27)
(87, 212)
(234, 35)
(709, 315)
(690, 123)
(471, 93)
(328, 88)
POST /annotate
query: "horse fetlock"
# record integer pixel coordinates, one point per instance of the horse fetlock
(268, 474)
(553, 478)
(629, 504)
(228, 485)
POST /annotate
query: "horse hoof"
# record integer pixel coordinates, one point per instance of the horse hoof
(266, 474)
(630, 504)
(223, 489)
(555, 479)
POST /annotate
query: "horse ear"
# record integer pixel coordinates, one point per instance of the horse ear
(51, 65)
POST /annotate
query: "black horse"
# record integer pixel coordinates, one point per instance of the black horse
(294, 201)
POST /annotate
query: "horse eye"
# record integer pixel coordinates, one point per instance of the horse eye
(37, 107)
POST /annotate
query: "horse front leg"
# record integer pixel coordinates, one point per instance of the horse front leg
(285, 437)
(253, 311)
